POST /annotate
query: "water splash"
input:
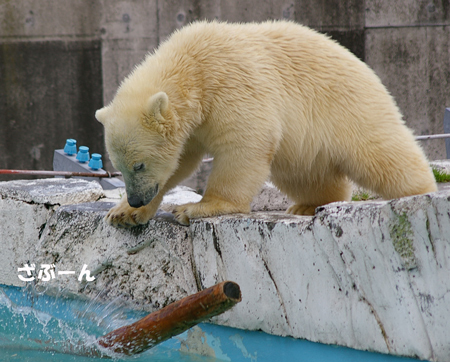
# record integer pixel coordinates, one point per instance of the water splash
(24, 327)
(60, 328)
(31, 320)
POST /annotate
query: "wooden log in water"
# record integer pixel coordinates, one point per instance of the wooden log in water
(172, 320)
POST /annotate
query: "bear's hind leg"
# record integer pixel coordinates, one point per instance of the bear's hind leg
(309, 196)
(394, 168)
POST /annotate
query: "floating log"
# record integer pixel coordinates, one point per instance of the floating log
(172, 320)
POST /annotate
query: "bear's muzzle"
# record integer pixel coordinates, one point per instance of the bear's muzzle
(135, 200)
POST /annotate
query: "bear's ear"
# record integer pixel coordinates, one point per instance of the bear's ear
(101, 115)
(159, 114)
(157, 105)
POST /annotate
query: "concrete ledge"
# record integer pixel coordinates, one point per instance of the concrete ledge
(56, 191)
(368, 275)
(365, 275)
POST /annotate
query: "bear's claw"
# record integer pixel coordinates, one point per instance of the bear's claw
(181, 216)
(125, 216)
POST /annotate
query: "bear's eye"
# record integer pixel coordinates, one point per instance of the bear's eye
(138, 167)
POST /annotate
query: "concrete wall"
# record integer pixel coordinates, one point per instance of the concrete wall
(50, 79)
(367, 275)
(61, 60)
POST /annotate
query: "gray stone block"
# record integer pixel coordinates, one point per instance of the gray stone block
(127, 19)
(50, 91)
(119, 57)
(50, 18)
(353, 40)
(129, 30)
(270, 199)
(173, 15)
(245, 11)
(401, 58)
(330, 14)
(55, 191)
(438, 78)
(386, 13)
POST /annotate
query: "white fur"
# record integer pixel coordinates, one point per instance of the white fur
(275, 99)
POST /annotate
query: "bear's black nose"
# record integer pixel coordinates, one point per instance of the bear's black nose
(135, 201)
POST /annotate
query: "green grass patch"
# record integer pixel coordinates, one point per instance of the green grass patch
(361, 196)
(440, 175)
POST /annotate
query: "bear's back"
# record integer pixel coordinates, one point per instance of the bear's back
(274, 70)
(260, 57)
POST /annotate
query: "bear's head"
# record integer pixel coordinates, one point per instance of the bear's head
(142, 140)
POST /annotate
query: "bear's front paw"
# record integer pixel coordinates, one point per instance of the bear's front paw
(182, 213)
(126, 216)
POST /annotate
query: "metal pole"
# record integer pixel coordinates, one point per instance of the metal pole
(433, 136)
(447, 130)
(59, 173)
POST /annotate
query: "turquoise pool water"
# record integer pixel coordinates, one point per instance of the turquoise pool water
(35, 327)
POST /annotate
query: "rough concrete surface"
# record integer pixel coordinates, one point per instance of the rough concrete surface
(396, 51)
(50, 92)
(368, 275)
(385, 13)
(25, 208)
(56, 191)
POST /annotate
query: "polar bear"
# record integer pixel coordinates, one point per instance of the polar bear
(271, 99)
